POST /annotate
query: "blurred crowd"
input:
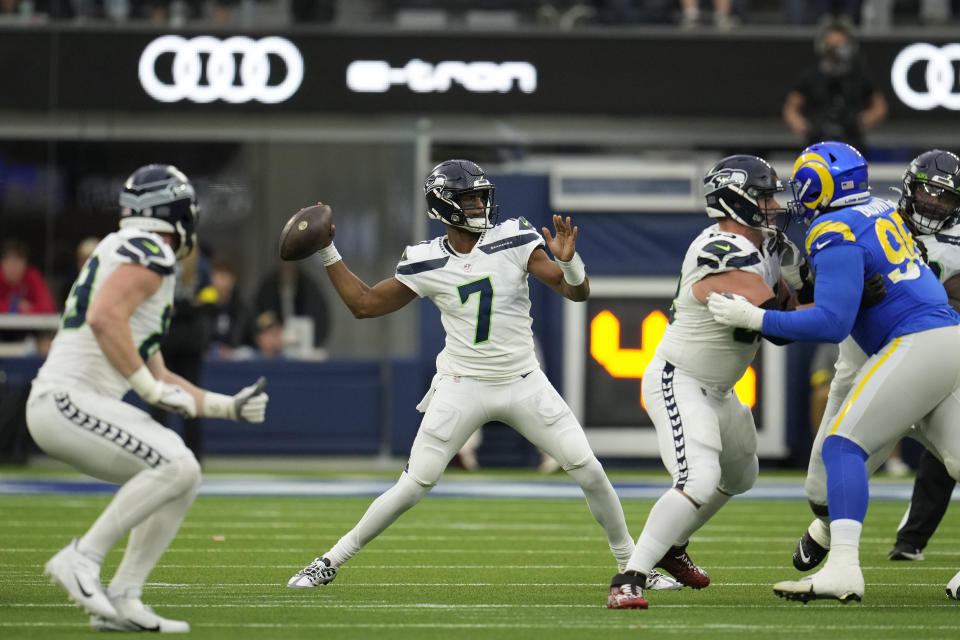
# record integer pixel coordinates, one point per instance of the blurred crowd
(490, 14)
(286, 317)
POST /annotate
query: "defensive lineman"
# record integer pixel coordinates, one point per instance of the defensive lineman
(115, 319)
(707, 437)
(911, 337)
(930, 206)
(476, 275)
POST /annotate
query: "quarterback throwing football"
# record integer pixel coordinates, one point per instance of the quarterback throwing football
(476, 275)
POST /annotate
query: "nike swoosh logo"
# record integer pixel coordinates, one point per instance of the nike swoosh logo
(143, 628)
(821, 245)
(724, 247)
(804, 556)
(80, 586)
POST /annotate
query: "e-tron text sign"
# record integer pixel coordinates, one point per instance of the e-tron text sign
(377, 76)
(939, 85)
(57, 68)
(186, 61)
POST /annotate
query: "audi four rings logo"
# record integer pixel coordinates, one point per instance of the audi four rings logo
(222, 80)
(940, 77)
(377, 76)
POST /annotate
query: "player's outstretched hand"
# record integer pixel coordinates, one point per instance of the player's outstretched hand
(735, 311)
(250, 403)
(174, 398)
(564, 244)
(247, 405)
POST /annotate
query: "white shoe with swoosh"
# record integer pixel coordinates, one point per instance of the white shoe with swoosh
(133, 615)
(79, 576)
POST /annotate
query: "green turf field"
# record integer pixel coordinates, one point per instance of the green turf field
(472, 568)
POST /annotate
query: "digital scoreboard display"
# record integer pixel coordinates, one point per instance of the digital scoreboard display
(611, 339)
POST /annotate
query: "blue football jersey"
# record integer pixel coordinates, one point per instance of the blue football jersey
(915, 299)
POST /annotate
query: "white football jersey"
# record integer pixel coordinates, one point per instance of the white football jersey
(943, 252)
(696, 343)
(483, 298)
(75, 358)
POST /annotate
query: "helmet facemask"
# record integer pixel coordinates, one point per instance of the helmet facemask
(931, 207)
(459, 195)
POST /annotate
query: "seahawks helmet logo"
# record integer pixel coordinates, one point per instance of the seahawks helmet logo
(724, 178)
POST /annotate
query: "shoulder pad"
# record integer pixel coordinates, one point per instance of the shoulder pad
(151, 252)
(509, 234)
(829, 230)
(727, 252)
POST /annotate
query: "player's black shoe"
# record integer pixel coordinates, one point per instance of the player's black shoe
(808, 553)
(905, 551)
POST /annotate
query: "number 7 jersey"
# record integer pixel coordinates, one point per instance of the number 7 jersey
(75, 358)
(483, 298)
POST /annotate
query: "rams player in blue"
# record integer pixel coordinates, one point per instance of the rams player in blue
(911, 337)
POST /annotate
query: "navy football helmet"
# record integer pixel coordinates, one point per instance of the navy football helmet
(735, 186)
(828, 175)
(160, 198)
(931, 191)
(447, 189)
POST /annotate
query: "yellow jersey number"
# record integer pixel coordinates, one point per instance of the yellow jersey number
(900, 248)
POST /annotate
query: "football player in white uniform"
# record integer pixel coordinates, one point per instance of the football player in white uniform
(476, 275)
(930, 206)
(114, 321)
(707, 437)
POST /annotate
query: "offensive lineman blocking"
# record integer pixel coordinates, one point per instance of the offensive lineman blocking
(707, 437)
(476, 275)
(115, 319)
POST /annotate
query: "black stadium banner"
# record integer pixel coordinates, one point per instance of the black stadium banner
(592, 73)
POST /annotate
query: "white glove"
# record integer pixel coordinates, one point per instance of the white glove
(735, 311)
(248, 405)
(169, 397)
(794, 267)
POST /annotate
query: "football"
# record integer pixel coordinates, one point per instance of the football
(306, 232)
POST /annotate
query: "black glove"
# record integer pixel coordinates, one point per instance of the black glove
(874, 291)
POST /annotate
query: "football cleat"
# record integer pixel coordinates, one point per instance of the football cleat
(677, 563)
(809, 553)
(79, 576)
(656, 581)
(830, 583)
(133, 615)
(905, 551)
(953, 587)
(317, 573)
(625, 593)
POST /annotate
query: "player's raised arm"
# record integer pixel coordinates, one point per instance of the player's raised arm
(567, 276)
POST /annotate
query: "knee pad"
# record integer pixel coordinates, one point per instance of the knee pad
(427, 463)
(739, 476)
(182, 474)
(703, 479)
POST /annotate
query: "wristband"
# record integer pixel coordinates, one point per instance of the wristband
(329, 255)
(218, 405)
(143, 382)
(573, 270)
